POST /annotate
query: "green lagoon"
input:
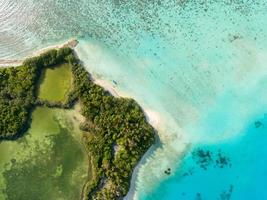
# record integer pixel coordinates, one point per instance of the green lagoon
(55, 83)
(49, 162)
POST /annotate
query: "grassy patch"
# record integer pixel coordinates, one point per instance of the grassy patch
(55, 83)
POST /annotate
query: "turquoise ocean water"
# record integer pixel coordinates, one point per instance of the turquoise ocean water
(201, 65)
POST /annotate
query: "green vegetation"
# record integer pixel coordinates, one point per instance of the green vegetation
(50, 162)
(55, 83)
(118, 136)
(116, 133)
(16, 99)
(17, 91)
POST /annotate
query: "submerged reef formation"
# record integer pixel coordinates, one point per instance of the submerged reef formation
(205, 158)
(226, 195)
(116, 133)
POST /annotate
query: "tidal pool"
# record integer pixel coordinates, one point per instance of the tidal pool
(49, 162)
(55, 83)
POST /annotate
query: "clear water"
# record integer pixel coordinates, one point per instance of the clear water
(242, 176)
(200, 64)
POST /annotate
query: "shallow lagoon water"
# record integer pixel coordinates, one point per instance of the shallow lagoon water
(49, 162)
(200, 64)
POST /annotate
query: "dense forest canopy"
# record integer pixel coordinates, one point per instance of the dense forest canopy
(16, 98)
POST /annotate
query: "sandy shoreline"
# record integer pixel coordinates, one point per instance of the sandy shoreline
(152, 116)
(13, 63)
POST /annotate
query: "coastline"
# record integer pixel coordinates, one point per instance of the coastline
(153, 118)
(71, 43)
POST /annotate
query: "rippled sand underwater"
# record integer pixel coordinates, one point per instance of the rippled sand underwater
(200, 64)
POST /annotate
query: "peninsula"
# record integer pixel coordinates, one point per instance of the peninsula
(112, 133)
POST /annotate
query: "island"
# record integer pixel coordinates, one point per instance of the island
(64, 137)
